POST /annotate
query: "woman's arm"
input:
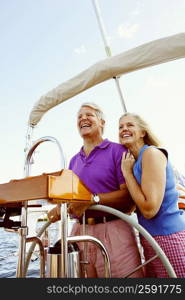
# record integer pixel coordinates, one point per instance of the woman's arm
(149, 196)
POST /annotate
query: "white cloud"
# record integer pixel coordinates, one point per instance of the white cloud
(127, 30)
(81, 50)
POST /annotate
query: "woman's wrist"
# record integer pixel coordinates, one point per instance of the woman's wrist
(127, 173)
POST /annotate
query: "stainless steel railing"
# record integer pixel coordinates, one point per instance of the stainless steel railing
(23, 230)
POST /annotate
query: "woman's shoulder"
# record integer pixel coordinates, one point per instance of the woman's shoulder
(154, 152)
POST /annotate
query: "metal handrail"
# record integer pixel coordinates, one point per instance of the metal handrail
(37, 241)
(99, 244)
(23, 231)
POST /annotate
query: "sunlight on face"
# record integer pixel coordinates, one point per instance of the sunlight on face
(129, 131)
(88, 122)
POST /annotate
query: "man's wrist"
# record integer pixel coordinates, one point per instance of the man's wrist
(95, 199)
(58, 208)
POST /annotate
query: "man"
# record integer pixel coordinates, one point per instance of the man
(98, 166)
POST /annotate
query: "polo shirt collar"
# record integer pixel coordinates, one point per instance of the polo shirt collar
(103, 145)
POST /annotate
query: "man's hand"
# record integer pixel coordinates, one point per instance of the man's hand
(78, 209)
(54, 214)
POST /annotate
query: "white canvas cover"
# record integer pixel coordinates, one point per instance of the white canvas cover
(150, 54)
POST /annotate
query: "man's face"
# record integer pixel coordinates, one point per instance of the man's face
(88, 122)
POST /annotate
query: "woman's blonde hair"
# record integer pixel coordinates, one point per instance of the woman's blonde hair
(149, 138)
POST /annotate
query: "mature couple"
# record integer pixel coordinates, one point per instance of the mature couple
(134, 174)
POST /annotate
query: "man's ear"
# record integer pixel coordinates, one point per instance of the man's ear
(102, 124)
(143, 133)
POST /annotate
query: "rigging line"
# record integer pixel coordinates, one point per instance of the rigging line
(107, 48)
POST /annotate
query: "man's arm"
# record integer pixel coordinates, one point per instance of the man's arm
(120, 200)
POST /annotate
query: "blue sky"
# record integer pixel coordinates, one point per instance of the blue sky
(46, 42)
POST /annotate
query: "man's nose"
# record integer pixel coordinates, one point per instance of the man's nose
(83, 117)
(124, 128)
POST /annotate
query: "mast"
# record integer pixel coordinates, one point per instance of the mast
(107, 48)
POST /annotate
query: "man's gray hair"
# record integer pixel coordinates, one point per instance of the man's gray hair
(97, 109)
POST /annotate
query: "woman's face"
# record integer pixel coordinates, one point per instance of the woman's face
(88, 122)
(129, 131)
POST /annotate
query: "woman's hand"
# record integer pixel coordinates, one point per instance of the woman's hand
(127, 163)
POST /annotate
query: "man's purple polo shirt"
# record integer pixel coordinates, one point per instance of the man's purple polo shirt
(101, 170)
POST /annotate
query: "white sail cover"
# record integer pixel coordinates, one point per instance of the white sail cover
(150, 54)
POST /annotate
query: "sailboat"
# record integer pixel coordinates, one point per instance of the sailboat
(144, 56)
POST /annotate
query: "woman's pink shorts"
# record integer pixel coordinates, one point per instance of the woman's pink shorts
(173, 246)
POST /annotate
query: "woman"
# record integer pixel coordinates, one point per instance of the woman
(98, 165)
(151, 183)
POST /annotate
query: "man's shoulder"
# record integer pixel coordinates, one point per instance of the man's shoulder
(117, 146)
(74, 158)
(75, 155)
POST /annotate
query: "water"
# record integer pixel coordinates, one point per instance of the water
(9, 252)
